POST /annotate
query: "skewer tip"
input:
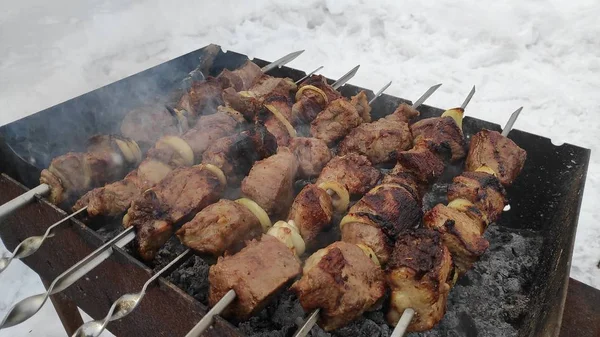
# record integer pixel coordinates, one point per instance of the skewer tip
(511, 122)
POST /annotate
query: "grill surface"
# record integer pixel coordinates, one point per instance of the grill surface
(518, 288)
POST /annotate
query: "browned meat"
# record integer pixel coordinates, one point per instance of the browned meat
(405, 179)
(353, 171)
(270, 182)
(339, 118)
(147, 124)
(202, 98)
(441, 135)
(235, 155)
(320, 82)
(404, 113)
(342, 281)
(220, 228)
(181, 194)
(311, 102)
(244, 102)
(483, 190)
(312, 153)
(370, 236)
(242, 78)
(417, 275)
(209, 128)
(461, 232)
(268, 85)
(501, 154)
(380, 140)
(361, 103)
(423, 164)
(256, 274)
(270, 90)
(311, 211)
(390, 207)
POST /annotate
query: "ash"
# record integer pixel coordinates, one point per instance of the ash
(489, 301)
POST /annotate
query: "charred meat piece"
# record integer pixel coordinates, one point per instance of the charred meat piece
(235, 155)
(380, 140)
(275, 122)
(499, 153)
(220, 228)
(353, 171)
(342, 281)
(311, 211)
(209, 128)
(442, 136)
(256, 274)
(400, 176)
(242, 78)
(147, 124)
(312, 153)
(483, 190)
(340, 116)
(421, 162)
(370, 236)
(269, 90)
(461, 232)
(202, 98)
(417, 274)
(270, 182)
(311, 102)
(181, 194)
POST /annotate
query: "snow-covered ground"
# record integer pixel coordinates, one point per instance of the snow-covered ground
(544, 55)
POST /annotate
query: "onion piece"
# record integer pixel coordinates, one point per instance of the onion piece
(456, 114)
(137, 152)
(350, 218)
(218, 172)
(258, 212)
(463, 205)
(281, 118)
(180, 146)
(487, 169)
(313, 88)
(370, 253)
(289, 235)
(125, 150)
(378, 187)
(343, 197)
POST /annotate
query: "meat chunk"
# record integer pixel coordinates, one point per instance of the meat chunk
(501, 154)
(370, 236)
(461, 232)
(242, 78)
(270, 182)
(404, 113)
(209, 128)
(353, 171)
(312, 153)
(220, 228)
(340, 116)
(235, 155)
(181, 194)
(312, 102)
(342, 281)
(483, 190)
(268, 85)
(202, 98)
(256, 274)
(441, 135)
(421, 162)
(380, 140)
(417, 275)
(311, 211)
(147, 124)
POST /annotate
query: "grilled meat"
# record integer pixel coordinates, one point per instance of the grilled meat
(209, 128)
(256, 274)
(370, 236)
(270, 182)
(342, 281)
(461, 232)
(353, 171)
(235, 155)
(181, 194)
(417, 274)
(220, 228)
(483, 190)
(147, 124)
(269, 90)
(203, 97)
(421, 162)
(242, 78)
(339, 117)
(501, 154)
(311, 102)
(441, 135)
(312, 153)
(311, 211)
(380, 140)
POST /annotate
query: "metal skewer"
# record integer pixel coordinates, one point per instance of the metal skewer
(425, 96)
(511, 121)
(124, 305)
(230, 296)
(43, 189)
(33, 243)
(380, 92)
(345, 78)
(468, 99)
(309, 75)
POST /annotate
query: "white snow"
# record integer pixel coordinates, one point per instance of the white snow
(544, 55)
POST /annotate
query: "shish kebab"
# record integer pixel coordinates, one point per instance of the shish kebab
(404, 266)
(279, 170)
(29, 306)
(168, 153)
(51, 180)
(243, 267)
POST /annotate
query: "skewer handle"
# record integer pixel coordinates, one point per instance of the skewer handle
(207, 320)
(23, 200)
(403, 322)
